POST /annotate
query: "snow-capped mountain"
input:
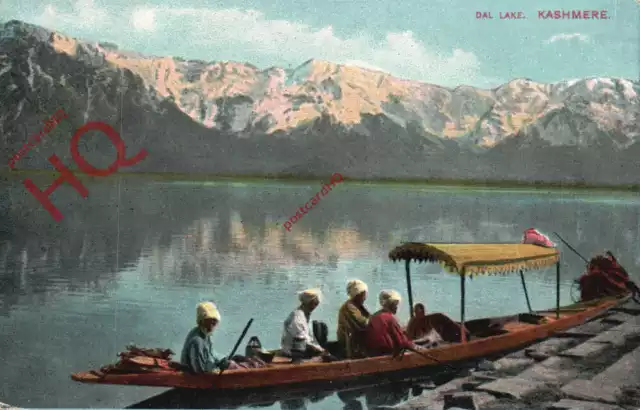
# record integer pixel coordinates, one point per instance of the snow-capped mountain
(318, 118)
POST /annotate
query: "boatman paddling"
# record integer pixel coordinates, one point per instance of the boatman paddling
(198, 354)
(384, 334)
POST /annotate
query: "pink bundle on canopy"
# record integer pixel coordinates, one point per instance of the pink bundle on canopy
(535, 237)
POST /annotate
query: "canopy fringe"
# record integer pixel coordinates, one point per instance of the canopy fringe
(478, 259)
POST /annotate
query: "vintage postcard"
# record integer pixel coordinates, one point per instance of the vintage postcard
(324, 206)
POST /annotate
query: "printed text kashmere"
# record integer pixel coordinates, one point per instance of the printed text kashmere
(573, 14)
(547, 15)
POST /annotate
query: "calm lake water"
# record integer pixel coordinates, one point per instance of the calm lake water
(129, 263)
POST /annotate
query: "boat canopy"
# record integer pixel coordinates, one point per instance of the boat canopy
(469, 259)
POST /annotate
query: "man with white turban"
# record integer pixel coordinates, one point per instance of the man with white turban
(297, 341)
(384, 335)
(198, 354)
(353, 318)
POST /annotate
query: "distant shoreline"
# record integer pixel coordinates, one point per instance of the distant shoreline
(504, 184)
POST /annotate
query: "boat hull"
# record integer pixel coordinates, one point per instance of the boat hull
(344, 372)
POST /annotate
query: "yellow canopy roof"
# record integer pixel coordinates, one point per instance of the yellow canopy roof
(482, 258)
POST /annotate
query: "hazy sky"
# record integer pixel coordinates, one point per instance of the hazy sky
(436, 41)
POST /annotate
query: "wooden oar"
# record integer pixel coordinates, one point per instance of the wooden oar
(233, 352)
(571, 247)
(425, 355)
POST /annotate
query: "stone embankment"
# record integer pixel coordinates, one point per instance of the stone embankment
(595, 366)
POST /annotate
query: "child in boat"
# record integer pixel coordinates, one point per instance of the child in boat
(353, 318)
(432, 328)
(296, 341)
(198, 354)
(384, 335)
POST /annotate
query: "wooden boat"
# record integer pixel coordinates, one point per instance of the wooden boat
(488, 336)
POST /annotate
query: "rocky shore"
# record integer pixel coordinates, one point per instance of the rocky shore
(595, 366)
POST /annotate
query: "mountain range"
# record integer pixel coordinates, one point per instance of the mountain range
(319, 118)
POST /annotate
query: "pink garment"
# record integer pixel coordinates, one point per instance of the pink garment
(535, 237)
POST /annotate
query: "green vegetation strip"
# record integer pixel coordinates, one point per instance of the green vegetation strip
(470, 183)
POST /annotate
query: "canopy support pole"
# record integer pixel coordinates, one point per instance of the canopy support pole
(526, 294)
(406, 265)
(558, 290)
(463, 336)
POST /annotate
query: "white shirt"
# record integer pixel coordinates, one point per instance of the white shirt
(296, 331)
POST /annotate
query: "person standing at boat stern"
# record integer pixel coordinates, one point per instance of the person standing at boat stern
(384, 335)
(297, 341)
(198, 354)
(353, 318)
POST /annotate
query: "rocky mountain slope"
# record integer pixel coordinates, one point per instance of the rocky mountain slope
(319, 118)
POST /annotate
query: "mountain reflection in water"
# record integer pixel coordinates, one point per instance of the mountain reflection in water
(73, 294)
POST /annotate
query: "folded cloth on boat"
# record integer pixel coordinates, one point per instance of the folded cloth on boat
(137, 364)
(356, 287)
(389, 296)
(147, 362)
(207, 310)
(307, 296)
(133, 350)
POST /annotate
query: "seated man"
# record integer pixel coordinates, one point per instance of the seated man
(198, 354)
(384, 336)
(296, 341)
(352, 321)
(434, 327)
